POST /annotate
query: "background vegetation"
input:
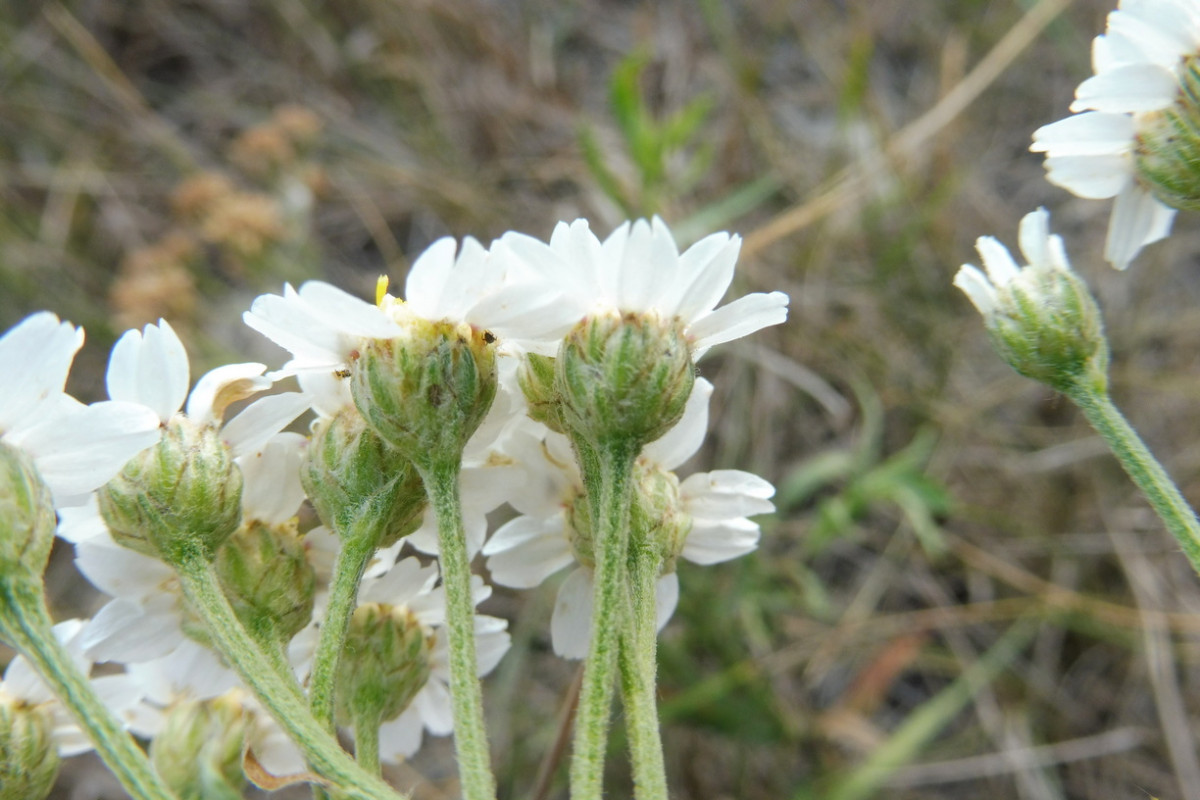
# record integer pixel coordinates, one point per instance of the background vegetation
(961, 595)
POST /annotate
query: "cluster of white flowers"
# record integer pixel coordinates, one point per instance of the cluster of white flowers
(525, 295)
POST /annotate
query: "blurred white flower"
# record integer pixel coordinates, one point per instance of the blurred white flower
(76, 448)
(1138, 63)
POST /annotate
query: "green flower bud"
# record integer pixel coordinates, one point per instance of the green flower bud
(199, 751)
(1041, 318)
(537, 376)
(28, 757)
(1049, 329)
(386, 661)
(357, 481)
(624, 377)
(1166, 152)
(658, 524)
(184, 495)
(427, 392)
(266, 575)
(27, 518)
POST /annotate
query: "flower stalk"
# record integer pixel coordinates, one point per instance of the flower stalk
(352, 559)
(1141, 465)
(466, 693)
(639, 667)
(25, 623)
(608, 476)
(278, 693)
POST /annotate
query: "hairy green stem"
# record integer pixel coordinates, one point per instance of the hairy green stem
(608, 481)
(26, 623)
(348, 570)
(280, 695)
(639, 667)
(1142, 467)
(466, 694)
(366, 742)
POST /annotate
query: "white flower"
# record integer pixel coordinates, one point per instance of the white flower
(76, 448)
(1040, 248)
(1137, 62)
(536, 544)
(323, 326)
(638, 268)
(144, 620)
(1041, 318)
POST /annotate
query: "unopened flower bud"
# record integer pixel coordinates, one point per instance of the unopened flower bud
(28, 757)
(199, 751)
(1167, 146)
(385, 663)
(1041, 318)
(268, 579)
(426, 392)
(184, 495)
(537, 376)
(357, 480)
(657, 522)
(624, 377)
(27, 519)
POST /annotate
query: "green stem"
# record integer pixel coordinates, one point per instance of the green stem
(639, 667)
(1142, 467)
(366, 742)
(352, 560)
(466, 694)
(26, 624)
(282, 698)
(610, 485)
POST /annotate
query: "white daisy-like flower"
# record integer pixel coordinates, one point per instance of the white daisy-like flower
(638, 268)
(1138, 62)
(323, 326)
(150, 367)
(76, 448)
(1041, 318)
(537, 544)
(21, 683)
(1042, 250)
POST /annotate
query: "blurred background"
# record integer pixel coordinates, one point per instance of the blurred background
(961, 595)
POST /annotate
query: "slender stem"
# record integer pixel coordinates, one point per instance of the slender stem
(1142, 467)
(611, 488)
(26, 624)
(282, 698)
(639, 667)
(352, 560)
(466, 694)
(366, 742)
